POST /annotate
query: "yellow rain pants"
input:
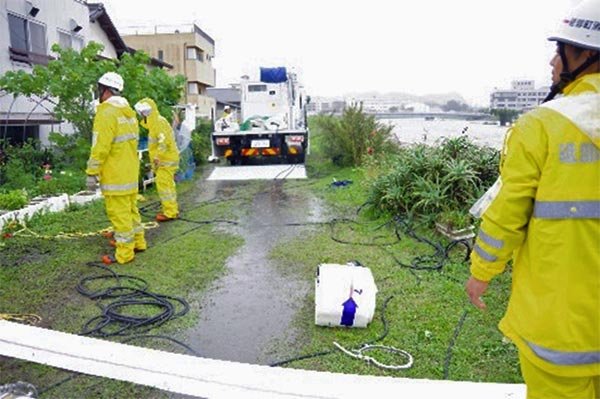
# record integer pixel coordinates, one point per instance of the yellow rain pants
(165, 184)
(164, 156)
(123, 213)
(543, 385)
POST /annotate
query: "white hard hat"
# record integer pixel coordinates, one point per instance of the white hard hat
(227, 107)
(112, 80)
(143, 108)
(582, 27)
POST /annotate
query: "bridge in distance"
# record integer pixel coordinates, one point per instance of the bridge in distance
(476, 116)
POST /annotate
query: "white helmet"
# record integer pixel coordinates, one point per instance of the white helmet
(112, 80)
(143, 108)
(582, 27)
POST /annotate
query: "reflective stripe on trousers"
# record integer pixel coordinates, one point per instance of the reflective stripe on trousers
(167, 196)
(124, 237)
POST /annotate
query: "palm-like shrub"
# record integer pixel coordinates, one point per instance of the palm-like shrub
(349, 139)
(427, 181)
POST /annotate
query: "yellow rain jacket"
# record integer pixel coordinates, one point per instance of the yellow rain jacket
(114, 157)
(162, 147)
(161, 140)
(546, 217)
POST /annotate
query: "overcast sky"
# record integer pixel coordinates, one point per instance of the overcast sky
(341, 46)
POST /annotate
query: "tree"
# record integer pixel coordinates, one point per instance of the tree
(504, 115)
(349, 139)
(65, 87)
(454, 105)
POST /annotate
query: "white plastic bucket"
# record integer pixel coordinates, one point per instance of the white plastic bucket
(344, 295)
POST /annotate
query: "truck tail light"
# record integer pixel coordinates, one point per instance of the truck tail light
(295, 139)
(222, 141)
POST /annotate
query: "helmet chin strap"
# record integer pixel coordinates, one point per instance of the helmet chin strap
(566, 76)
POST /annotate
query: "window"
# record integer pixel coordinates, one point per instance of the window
(68, 40)
(255, 88)
(37, 35)
(64, 40)
(191, 53)
(27, 35)
(78, 43)
(160, 55)
(194, 53)
(27, 40)
(192, 88)
(18, 32)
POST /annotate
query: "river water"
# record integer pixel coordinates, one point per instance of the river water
(419, 130)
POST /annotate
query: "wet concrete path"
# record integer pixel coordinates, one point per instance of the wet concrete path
(247, 313)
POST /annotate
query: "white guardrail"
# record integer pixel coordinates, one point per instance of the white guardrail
(48, 204)
(209, 378)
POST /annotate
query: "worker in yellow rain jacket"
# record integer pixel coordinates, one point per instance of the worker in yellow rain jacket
(114, 164)
(546, 217)
(164, 156)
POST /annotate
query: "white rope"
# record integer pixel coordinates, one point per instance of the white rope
(358, 354)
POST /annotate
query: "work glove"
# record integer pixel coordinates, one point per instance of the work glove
(91, 182)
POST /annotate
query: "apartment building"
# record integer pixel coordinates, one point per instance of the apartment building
(190, 50)
(522, 96)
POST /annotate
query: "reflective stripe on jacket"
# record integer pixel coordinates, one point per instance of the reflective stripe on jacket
(546, 217)
(114, 156)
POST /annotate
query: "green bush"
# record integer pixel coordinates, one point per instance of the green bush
(21, 165)
(69, 182)
(15, 199)
(201, 144)
(456, 219)
(72, 151)
(348, 140)
(423, 181)
(15, 175)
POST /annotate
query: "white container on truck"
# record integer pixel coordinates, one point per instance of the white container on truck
(272, 125)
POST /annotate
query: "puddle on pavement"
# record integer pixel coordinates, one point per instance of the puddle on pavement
(251, 307)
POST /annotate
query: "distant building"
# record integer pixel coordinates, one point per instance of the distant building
(522, 96)
(320, 105)
(190, 50)
(231, 96)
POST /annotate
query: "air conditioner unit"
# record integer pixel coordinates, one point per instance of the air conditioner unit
(74, 26)
(31, 8)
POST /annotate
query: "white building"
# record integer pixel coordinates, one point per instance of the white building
(522, 96)
(28, 29)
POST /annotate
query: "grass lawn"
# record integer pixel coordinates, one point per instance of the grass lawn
(40, 276)
(427, 312)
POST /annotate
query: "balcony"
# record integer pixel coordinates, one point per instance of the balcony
(202, 72)
(29, 57)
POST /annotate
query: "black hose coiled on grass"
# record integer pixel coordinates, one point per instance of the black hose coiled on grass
(113, 320)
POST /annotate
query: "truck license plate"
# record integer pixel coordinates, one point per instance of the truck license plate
(260, 144)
